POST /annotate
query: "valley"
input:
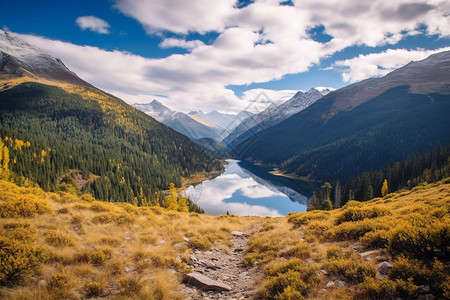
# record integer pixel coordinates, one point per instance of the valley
(319, 193)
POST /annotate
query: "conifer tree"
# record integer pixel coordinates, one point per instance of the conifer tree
(384, 188)
(170, 202)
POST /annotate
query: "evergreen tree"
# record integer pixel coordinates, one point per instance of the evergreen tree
(337, 195)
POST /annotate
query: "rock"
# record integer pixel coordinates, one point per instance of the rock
(205, 283)
(193, 258)
(127, 235)
(323, 272)
(384, 267)
(322, 291)
(424, 288)
(178, 246)
(179, 259)
(238, 233)
(380, 258)
(368, 253)
(330, 284)
(238, 250)
(209, 264)
(127, 269)
(186, 239)
(356, 247)
(340, 283)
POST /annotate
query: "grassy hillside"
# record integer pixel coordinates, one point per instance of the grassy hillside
(57, 245)
(84, 131)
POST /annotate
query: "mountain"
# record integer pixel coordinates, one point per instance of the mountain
(227, 121)
(192, 126)
(213, 146)
(19, 59)
(364, 126)
(57, 127)
(272, 115)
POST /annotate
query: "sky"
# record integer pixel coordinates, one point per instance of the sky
(229, 55)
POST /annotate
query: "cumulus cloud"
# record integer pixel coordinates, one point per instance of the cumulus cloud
(180, 43)
(379, 64)
(260, 42)
(93, 24)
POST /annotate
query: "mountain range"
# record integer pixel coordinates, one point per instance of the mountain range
(196, 124)
(70, 127)
(272, 115)
(363, 126)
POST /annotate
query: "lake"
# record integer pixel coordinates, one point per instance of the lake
(246, 189)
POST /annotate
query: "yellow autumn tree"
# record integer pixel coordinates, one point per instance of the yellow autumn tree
(170, 202)
(4, 160)
(182, 204)
(384, 188)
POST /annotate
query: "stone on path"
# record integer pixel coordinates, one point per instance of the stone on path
(209, 264)
(205, 283)
(238, 233)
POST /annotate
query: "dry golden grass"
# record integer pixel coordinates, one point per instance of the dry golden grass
(75, 247)
(83, 248)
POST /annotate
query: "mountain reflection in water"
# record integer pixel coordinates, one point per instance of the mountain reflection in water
(249, 190)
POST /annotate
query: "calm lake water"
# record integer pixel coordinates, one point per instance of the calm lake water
(246, 189)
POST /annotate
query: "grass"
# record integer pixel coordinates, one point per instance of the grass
(58, 246)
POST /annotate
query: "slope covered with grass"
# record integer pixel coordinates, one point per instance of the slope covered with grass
(57, 245)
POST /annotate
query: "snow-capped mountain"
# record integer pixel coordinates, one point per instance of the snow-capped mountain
(192, 126)
(275, 113)
(21, 59)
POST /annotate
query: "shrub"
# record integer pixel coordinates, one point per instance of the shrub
(102, 218)
(289, 280)
(25, 206)
(100, 256)
(350, 230)
(351, 269)
(299, 219)
(200, 243)
(59, 239)
(59, 286)
(317, 228)
(334, 252)
(19, 261)
(129, 286)
(300, 250)
(412, 241)
(375, 239)
(94, 289)
(406, 269)
(110, 241)
(98, 206)
(148, 239)
(386, 289)
(353, 214)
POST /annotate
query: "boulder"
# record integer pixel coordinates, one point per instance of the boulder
(238, 233)
(205, 283)
(384, 267)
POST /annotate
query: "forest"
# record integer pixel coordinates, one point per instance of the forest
(117, 153)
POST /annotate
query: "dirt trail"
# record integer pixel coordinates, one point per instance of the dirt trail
(226, 268)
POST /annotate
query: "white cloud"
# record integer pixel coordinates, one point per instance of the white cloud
(179, 16)
(258, 43)
(93, 24)
(379, 64)
(173, 42)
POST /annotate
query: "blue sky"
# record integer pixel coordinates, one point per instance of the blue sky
(205, 54)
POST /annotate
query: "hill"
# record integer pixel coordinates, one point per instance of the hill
(363, 126)
(57, 245)
(58, 128)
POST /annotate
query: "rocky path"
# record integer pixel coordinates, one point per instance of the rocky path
(221, 275)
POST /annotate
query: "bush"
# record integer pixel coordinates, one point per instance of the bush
(353, 214)
(334, 252)
(19, 261)
(387, 289)
(351, 230)
(129, 286)
(200, 243)
(94, 289)
(26, 206)
(59, 239)
(289, 280)
(351, 269)
(300, 250)
(299, 219)
(412, 241)
(375, 239)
